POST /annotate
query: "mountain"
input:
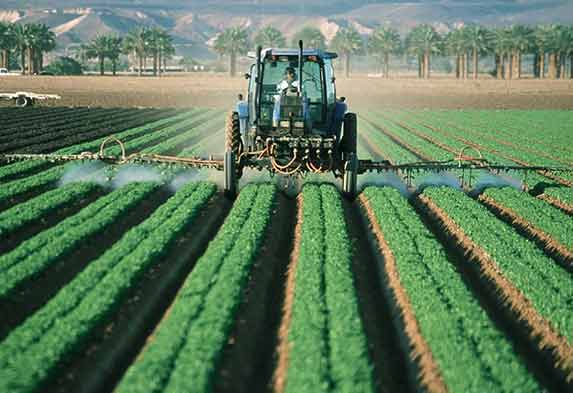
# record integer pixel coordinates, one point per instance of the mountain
(194, 23)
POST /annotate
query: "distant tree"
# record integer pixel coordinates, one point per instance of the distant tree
(232, 42)
(165, 48)
(113, 50)
(270, 37)
(424, 41)
(347, 42)
(31, 41)
(503, 48)
(382, 43)
(160, 45)
(7, 43)
(542, 41)
(98, 48)
(520, 42)
(456, 44)
(65, 66)
(136, 42)
(188, 62)
(311, 38)
(478, 40)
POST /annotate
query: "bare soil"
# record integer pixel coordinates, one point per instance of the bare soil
(219, 90)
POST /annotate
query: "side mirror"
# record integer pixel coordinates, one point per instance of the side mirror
(247, 76)
(333, 79)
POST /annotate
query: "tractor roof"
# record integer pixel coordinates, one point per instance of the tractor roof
(294, 52)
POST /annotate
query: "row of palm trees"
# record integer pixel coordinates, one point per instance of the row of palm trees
(552, 44)
(30, 41)
(143, 43)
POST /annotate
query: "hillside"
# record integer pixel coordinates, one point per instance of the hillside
(194, 24)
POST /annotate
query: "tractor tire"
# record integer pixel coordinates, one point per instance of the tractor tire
(23, 101)
(233, 141)
(230, 175)
(349, 137)
(349, 180)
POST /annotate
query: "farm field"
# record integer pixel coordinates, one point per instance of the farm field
(147, 279)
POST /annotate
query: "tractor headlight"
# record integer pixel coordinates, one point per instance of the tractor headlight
(299, 124)
(284, 123)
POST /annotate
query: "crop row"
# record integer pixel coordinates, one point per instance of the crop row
(82, 118)
(184, 351)
(49, 176)
(11, 170)
(53, 141)
(324, 346)
(32, 352)
(537, 218)
(528, 284)
(16, 118)
(452, 343)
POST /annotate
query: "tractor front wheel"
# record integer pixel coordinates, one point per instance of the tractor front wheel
(23, 101)
(349, 180)
(233, 149)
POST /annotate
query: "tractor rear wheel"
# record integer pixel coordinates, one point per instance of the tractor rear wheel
(350, 176)
(23, 101)
(349, 138)
(233, 148)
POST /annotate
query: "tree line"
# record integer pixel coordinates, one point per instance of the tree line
(31, 41)
(550, 45)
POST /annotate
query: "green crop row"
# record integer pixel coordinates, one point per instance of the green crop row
(540, 279)
(34, 209)
(472, 355)
(42, 179)
(563, 195)
(328, 349)
(93, 146)
(37, 253)
(34, 349)
(542, 216)
(183, 355)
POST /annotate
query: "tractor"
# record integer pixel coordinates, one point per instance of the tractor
(295, 125)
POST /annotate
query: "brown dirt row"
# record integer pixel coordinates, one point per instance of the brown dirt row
(497, 140)
(34, 293)
(283, 347)
(562, 254)
(551, 176)
(112, 347)
(249, 359)
(557, 203)
(551, 347)
(388, 358)
(424, 367)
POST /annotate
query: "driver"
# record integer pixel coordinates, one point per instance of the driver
(289, 84)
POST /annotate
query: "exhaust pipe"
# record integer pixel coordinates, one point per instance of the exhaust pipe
(258, 83)
(299, 67)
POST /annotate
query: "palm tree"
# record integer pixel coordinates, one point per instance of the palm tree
(7, 43)
(311, 37)
(478, 40)
(166, 49)
(232, 41)
(541, 38)
(521, 38)
(113, 50)
(382, 43)
(502, 45)
(424, 41)
(347, 42)
(563, 46)
(269, 37)
(456, 44)
(554, 36)
(98, 48)
(20, 32)
(137, 43)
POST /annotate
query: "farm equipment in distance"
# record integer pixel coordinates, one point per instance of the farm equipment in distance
(25, 98)
(294, 125)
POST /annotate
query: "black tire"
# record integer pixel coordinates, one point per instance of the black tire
(23, 101)
(230, 175)
(349, 140)
(233, 141)
(350, 177)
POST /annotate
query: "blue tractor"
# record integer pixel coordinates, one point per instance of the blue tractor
(295, 124)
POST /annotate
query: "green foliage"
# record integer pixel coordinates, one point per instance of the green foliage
(540, 279)
(32, 352)
(187, 346)
(270, 37)
(347, 41)
(311, 37)
(328, 348)
(472, 354)
(233, 40)
(65, 66)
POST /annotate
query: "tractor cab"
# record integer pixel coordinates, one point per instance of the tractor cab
(292, 93)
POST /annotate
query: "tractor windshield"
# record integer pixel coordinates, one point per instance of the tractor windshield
(275, 77)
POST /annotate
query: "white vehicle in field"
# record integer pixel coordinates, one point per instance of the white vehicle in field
(5, 72)
(25, 98)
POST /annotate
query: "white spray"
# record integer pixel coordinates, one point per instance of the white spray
(135, 173)
(91, 172)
